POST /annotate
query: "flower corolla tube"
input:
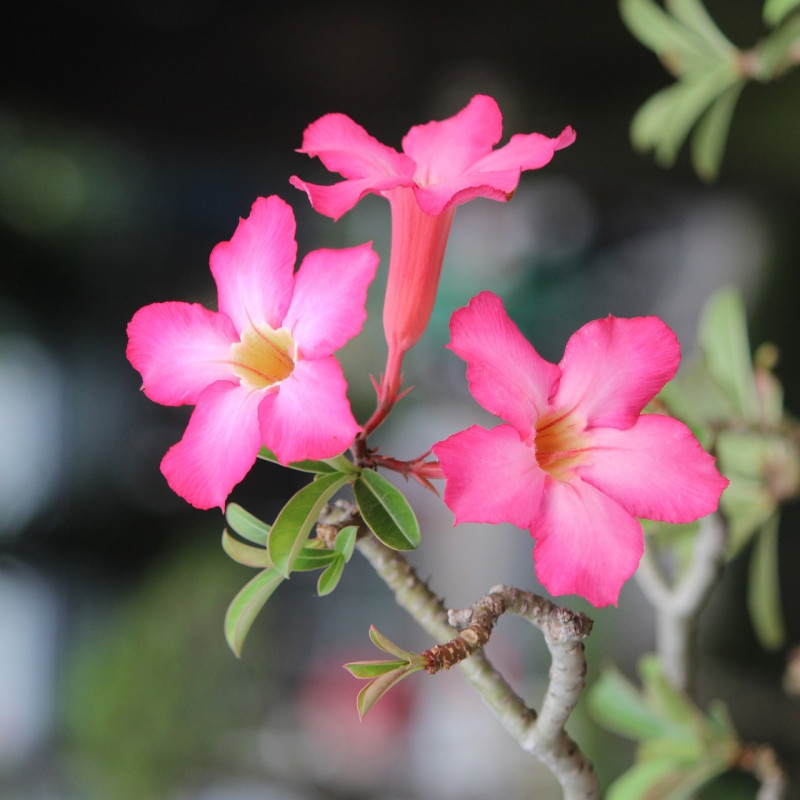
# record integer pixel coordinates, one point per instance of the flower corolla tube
(577, 462)
(260, 371)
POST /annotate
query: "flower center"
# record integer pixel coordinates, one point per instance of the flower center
(264, 356)
(560, 444)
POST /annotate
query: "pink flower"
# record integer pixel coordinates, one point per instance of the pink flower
(443, 164)
(259, 371)
(578, 461)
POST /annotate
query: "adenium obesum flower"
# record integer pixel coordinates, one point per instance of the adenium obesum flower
(260, 371)
(443, 164)
(577, 461)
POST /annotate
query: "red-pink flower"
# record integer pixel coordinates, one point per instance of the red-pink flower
(443, 164)
(260, 371)
(578, 461)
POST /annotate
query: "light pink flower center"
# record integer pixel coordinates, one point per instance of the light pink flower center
(264, 356)
(561, 444)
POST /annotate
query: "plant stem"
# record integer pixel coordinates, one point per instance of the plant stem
(542, 736)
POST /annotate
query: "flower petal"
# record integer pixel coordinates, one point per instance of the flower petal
(612, 368)
(506, 375)
(179, 349)
(310, 415)
(339, 198)
(586, 543)
(444, 150)
(656, 470)
(327, 307)
(218, 448)
(254, 271)
(345, 147)
(492, 476)
(524, 151)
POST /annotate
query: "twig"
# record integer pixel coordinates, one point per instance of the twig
(677, 607)
(541, 736)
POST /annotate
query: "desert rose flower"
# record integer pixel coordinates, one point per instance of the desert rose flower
(443, 164)
(577, 461)
(260, 371)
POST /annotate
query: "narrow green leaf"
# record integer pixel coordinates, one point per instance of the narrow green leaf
(693, 14)
(345, 541)
(671, 705)
(726, 348)
(747, 505)
(382, 643)
(775, 11)
(776, 52)
(386, 511)
(378, 687)
(296, 519)
(246, 525)
(372, 669)
(329, 579)
(338, 463)
(708, 139)
(640, 779)
(309, 559)
(763, 588)
(243, 553)
(245, 606)
(617, 705)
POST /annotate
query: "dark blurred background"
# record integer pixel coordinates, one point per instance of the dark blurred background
(132, 138)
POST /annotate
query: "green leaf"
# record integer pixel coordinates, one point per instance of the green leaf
(386, 511)
(382, 643)
(244, 553)
(309, 559)
(671, 705)
(709, 137)
(725, 344)
(747, 504)
(338, 463)
(329, 579)
(638, 781)
(775, 11)
(296, 519)
(763, 588)
(378, 687)
(372, 669)
(345, 541)
(775, 53)
(246, 525)
(245, 606)
(617, 705)
(693, 14)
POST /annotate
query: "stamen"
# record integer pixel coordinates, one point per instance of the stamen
(560, 444)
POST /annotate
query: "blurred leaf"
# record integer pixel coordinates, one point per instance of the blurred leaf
(775, 52)
(711, 133)
(777, 10)
(693, 14)
(345, 541)
(296, 519)
(743, 453)
(768, 389)
(246, 525)
(666, 701)
(725, 344)
(618, 706)
(244, 553)
(747, 505)
(763, 588)
(338, 463)
(329, 579)
(245, 607)
(372, 669)
(386, 511)
(681, 48)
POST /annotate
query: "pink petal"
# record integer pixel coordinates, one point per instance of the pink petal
(339, 198)
(586, 543)
(436, 199)
(444, 150)
(492, 476)
(179, 349)
(506, 375)
(656, 470)
(254, 271)
(310, 415)
(524, 151)
(218, 448)
(612, 368)
(330, 291)
(345, 147)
